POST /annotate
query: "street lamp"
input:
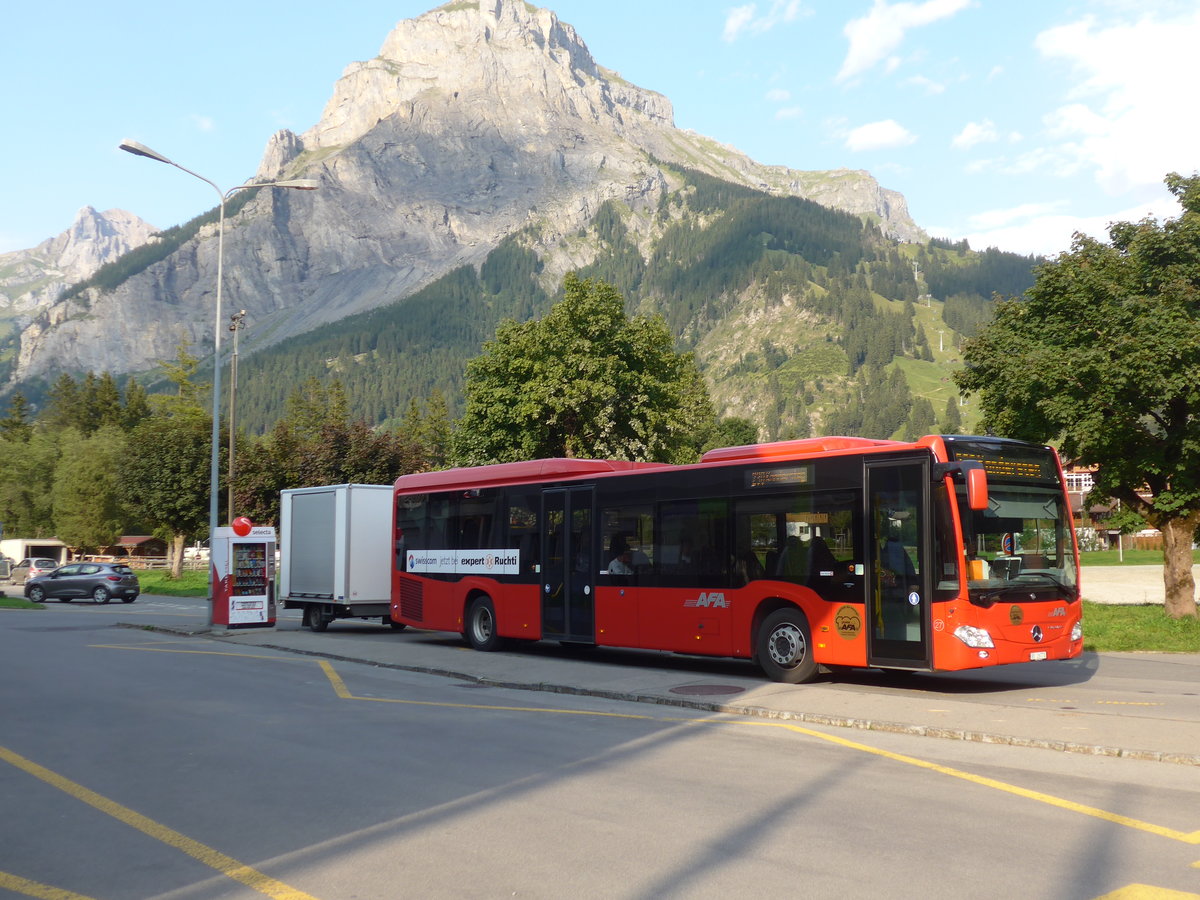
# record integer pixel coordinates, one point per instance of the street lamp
(236, 324)
(214, 487)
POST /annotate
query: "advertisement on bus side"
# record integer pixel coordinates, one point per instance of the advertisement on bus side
(464, 562)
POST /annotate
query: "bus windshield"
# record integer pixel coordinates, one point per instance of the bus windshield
(1022, 541)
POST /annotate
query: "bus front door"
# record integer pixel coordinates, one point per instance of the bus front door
(898, 583)
(568, 570)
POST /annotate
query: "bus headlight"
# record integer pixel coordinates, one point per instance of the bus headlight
(1077, 631)
(973, 637)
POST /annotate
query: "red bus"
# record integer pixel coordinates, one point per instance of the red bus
(948, 553)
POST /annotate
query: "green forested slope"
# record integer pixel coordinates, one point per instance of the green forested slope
(801, 317)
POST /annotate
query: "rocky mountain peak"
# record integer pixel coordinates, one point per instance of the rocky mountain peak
(497, 65)
(95, 238)
(33, 278)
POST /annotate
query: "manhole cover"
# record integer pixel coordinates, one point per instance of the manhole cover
(707, 689)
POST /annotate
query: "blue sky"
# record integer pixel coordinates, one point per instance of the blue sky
(1012, 123)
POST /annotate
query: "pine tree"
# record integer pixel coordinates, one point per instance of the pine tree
(137, 406)
(16, 426)
(952, 418)
(63, 406)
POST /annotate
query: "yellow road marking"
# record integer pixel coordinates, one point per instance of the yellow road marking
(156, 649)
(19, 885)
(215, 859)
(1050, 799)
(1127, 703)
(1147, 892)
(339, 688)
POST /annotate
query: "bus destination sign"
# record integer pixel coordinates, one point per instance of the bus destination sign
(1012, 466)
(766, 478)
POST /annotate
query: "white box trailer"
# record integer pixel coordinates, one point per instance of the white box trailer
(335, 552)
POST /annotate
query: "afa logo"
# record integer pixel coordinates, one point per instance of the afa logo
(708, 600)
(848, 622)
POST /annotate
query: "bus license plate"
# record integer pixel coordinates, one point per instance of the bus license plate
(1037, 654)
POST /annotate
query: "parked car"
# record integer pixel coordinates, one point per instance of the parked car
(100, 581)
(29, 567)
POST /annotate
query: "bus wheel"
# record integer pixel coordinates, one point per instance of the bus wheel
(784, 648)
(317, 620)
(396, 626)
(481, 625)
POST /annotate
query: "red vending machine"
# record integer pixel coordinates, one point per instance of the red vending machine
(243, 577)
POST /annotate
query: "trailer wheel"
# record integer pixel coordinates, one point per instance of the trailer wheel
(783, 647)
(396, 626)
(481, 625)
(318, 620)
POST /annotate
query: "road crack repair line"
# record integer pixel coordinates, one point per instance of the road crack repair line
(340, 689)
(1095, 702)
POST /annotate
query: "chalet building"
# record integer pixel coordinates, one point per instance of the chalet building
(1092, 518)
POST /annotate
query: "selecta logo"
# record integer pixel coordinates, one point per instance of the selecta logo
(708, 600)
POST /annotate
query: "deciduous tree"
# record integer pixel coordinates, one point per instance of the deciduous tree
(584, 381)
(166, 475)
(1103, 355)
(88, 513)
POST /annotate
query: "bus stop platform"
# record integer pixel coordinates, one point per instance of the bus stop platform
(1131, 705)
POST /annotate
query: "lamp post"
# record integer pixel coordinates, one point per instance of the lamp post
(214, 487)
(236, 324)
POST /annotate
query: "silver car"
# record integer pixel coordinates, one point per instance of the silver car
(29, 567)
(99, 581)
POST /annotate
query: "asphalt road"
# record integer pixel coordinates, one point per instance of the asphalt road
(135, 764)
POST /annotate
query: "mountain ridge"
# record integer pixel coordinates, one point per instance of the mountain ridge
(428, 160)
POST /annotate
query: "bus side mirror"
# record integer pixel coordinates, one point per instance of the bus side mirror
(972, 472)
(977, 488)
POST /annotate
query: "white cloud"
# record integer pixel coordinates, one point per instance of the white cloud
(1126, 122)
(745, 19)
(203, 123)
(1036, 228)
(1001, 218)
(874, 36)
(739, 18)
(975, 133)
(778, 95)
(789, 112)
(980, 166)
(879, 136)
(928, 84)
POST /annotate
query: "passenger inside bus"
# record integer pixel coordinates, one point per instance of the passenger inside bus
(620, 564)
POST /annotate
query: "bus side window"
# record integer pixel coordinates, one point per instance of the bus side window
(410, 527)
(521, 528)
(703, 529)
(627, 535)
